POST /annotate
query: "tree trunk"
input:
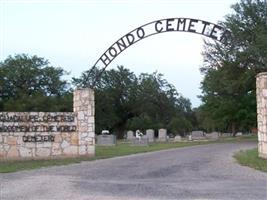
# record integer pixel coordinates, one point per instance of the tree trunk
(233, 129)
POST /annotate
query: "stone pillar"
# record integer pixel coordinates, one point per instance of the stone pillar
(261, 84)
(84, 109)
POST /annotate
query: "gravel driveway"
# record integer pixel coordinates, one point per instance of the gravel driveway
(199, 172)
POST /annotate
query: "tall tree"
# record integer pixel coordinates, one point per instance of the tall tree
(126, 101)
(30, 83)
(115, 97)
(230, 68)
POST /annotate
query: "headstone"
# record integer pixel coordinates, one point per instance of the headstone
(130, 135)
(177, 138)
(162, 135)
(239, 134)
(139, 142)
(197, 135)
(226, 134)
(212, 136)
(106, 140)
(150, 135)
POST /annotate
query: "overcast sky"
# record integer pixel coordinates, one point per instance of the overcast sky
(74, 34)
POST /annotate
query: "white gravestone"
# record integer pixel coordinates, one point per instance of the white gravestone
(130, 135)
(106, 140)
(177, 138)
(197, 135)
(162, 135)
(150, 134)
(212, 136)
(227, 134)
(239, 134)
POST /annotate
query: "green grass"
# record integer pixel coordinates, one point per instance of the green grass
(125, 149)
(250, 158)
(252, 138)
(107, 152)
(13, 166)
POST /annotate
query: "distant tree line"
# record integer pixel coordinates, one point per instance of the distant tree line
(30, 83)
(123, 99)
(127, 101)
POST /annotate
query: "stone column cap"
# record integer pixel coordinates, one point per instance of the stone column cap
(261, 74)
(84, 88)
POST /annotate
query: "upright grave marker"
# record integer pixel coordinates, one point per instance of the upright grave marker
(106, 139)
(197, 135)
(150, 134)
(130, 135)
(212, 136)
(162, 135)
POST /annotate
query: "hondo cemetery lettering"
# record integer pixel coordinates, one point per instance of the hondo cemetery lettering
(197, 26)
(205, 28)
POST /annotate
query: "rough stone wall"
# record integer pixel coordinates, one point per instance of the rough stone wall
(37, 134)
(50, 134)
(262, 113)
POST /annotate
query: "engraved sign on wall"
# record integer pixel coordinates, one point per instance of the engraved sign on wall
(37, 122)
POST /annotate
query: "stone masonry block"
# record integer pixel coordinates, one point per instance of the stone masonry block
(261, 83)
(82, 150)
(25, 152)
(43, 152)
(13, 152)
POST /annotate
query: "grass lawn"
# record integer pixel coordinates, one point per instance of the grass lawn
(250, 158)
(102, 152)
(125, 149)
(251, 138)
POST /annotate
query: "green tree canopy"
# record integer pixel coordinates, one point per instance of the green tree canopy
(126, 101)
(29, 83)
(180, 126)
(229, 85)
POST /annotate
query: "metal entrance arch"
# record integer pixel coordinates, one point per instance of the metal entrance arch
(201, 27)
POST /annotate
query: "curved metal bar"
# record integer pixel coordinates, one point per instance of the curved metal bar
(205, 28)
